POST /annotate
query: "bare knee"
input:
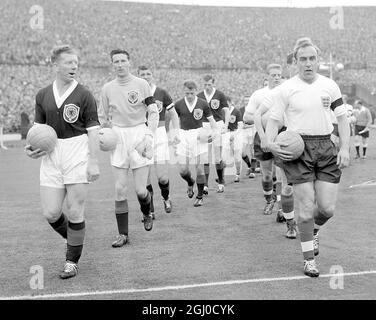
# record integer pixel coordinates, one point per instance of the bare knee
(52, 212)
(327, 211)
(120, 190)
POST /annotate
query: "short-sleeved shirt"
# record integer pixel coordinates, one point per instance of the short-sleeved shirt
(308, 106)
(163, 101)
(192, 118)
(71, 114)
(256, 98)
(216, 101)
(235, 118)
(123, 101)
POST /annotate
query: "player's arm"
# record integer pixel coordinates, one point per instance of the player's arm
(103, 109)
(213, 124)
(153, 114)
(226, 110)
(248, 117)
(260, 111)
(275, 118)
(39, 118)
(175, 123)
(92, 124)
(369, 119)
(343, 156)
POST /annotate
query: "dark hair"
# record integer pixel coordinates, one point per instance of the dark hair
(303, 43)
(141, 68)
(208, 77)
(191, 85)
(228, 98)
(119, 51)
(58, 50)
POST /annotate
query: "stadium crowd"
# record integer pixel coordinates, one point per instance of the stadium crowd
(178, 42)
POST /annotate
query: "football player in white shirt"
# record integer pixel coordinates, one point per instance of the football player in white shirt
(307, 100)
(274, 72)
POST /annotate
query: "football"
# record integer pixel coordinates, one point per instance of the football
(42, 136)
(107, 139)
(294, 141)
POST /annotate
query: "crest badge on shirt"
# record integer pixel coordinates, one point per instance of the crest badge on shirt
(132, 97)
(159, 105)
(197, 114)
(214, 104)
(232, 119)
(71, 112)
(325, 100)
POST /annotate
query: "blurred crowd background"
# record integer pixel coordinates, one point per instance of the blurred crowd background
(177, 42)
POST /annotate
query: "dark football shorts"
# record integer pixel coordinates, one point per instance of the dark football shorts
(318, 162)
(260, 155)
(360, 128)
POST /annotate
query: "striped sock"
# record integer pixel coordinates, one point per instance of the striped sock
(287, 202)
(75, 241)
(267, 188)
(144, 202)
(306, 238)
(61, 225)
(121, 212)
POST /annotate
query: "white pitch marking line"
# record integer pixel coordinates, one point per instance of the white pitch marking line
(181, 287)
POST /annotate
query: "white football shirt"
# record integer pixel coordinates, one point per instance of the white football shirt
(308, 106)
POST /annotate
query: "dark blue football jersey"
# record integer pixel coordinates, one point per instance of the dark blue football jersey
(78, 111)
(216, 104)
(163, 101)
(192, 120)
(235, 117)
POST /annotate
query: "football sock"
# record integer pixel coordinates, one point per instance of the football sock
(287, 203)
(306, 238)
(187, 177)
(75, 241)
(219, 168)
(121, 212)
(246, 160)
(253, 164)
(61, 225)
(200, 185)
(364, 151)
(145, 203)
(165, 189)
(206, 171)
(267, 188)
(357, 151)
(150, 189)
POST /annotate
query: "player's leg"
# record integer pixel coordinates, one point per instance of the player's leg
(364, 146)
(149, 186)
(287, 203)
(357, 140)
(278, 193)
(75, 202)
(52, 205)
(326, 198)
(200, 180)
(186, 175)
(161, 171)
(121, 206)
(140, 176)
(267, 185)
(304, 194)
